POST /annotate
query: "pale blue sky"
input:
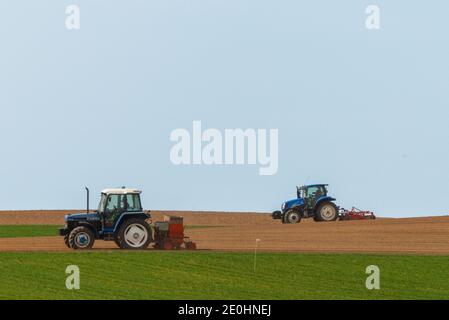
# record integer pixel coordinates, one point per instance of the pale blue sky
(365, 111)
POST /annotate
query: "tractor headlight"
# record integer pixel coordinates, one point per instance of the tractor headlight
(284, 205)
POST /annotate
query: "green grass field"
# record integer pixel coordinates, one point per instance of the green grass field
(18, 231)
(213, 275)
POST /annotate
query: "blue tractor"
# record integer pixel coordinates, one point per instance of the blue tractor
(312, 202)
(119, 218)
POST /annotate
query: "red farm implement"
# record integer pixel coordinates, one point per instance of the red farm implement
(169, 235)
(355, 214)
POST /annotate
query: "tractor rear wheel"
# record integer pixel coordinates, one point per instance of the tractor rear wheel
(81, 238)
(292, 216)
(134, 234)
(327, 211)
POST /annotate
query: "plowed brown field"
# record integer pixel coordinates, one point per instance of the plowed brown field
(239, 231)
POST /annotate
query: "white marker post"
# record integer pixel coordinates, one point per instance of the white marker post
(255, 253)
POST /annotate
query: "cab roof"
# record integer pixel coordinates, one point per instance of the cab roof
(121, 191)
(315, 185)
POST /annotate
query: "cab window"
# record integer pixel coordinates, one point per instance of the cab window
(119, 203)
(132, 202)
(114, 204)
(316, 192)
(102, 203)
(312, 191)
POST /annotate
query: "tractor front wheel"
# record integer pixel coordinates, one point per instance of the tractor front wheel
(66, 240)
(327, 211)
(292, 216)
(284, 218)
(134, 234)
(81, 238)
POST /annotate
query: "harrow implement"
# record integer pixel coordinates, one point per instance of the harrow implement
(355, 214)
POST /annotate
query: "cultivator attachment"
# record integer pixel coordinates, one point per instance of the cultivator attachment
(169, 235)
(355, 214)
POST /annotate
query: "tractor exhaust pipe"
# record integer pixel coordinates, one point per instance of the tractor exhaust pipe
(87, 190)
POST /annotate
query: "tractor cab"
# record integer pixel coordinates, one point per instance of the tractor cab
(116, 202)
(312, 193)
